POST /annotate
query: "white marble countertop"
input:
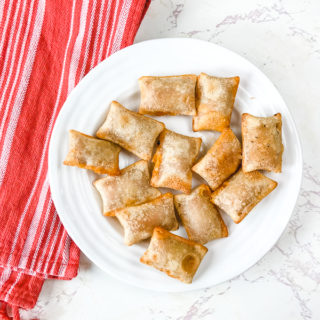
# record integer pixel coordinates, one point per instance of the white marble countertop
(282, 38)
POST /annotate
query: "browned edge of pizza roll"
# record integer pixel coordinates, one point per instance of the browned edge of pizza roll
(131, 130)
(215, 98)
(173, 160)
(131, 187)
(139, 221)
(199, 215)
(176, 256)
(90, 153)
(242, 192)
(262, 143)
(221, 161)
(168, 95)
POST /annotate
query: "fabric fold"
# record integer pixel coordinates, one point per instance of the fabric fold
(19, 289)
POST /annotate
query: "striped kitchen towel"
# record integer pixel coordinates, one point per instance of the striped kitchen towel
(46, 47)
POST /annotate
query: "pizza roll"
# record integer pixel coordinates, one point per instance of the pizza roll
(238, 195)
(130, 188)
(171, 95)
(215, 99)
(94, 154)
(139, 221)
(173, 160)
(221, 161)
(262, 143)
(130, 130)
(199, 216)
(178, 257)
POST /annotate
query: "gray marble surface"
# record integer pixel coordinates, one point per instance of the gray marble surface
(282, 38)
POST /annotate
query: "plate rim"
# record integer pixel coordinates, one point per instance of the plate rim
(54, 195)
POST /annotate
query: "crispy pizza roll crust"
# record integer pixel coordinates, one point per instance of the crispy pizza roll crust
(262, 143)
(94, 154)
(173, 161)
(130, 188)
(199, 216)
(214, 100)
(139, 221)
(221, 161)
(238, 195)
(170, 95)
(178, 257)
(130, 130)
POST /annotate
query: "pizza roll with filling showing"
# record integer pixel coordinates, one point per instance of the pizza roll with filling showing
(176, 256)
(139, 221)
(173, 161)
(94, 154)
(170, 95)
(130, 130)
(262, 143)
(130, 188)
(221, 161)
(214, 100)
(199, 216)
(238, 195)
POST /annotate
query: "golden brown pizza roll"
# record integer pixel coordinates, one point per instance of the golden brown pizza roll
(221, 161)
(262, 143)
(178, 257)
(139, 221)
(171, 95)
(199, 216)
(130, 130)
(94, 154)
(238, 195)
(173, 161)
(130, 188)
(214, 100)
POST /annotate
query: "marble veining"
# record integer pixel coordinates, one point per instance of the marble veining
(173, 18)
(260, 14)
(282, 38)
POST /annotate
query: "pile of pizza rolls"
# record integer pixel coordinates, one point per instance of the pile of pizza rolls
(235, 183)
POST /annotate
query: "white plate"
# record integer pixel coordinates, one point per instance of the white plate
(79, 206)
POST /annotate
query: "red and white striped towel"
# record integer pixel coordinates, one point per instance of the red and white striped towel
(46, 47)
